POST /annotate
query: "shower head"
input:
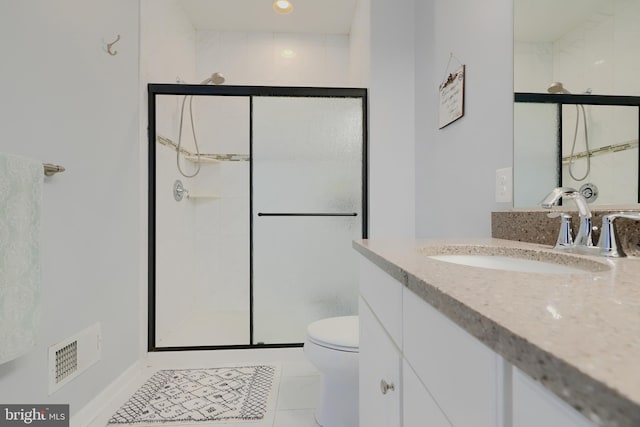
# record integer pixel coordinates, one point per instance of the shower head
(216, 79)
(557, 87)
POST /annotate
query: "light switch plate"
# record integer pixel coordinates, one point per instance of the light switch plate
(504, 185)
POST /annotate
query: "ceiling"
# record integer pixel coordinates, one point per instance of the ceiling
(535, 20)
(308, 16)
(548, 20)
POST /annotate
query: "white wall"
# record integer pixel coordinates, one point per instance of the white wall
(455, 166)
(168, 43)
(66, 101)
(360, 44)
(391, 120)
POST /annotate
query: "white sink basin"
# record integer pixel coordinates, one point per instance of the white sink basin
(514, 259)
(508, 263)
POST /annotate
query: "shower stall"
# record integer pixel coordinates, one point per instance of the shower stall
(253, 242)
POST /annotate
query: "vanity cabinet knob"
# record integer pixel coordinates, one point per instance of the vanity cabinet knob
(385, 387)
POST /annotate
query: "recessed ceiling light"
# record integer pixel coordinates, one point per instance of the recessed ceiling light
(288, 53)
(283, 6)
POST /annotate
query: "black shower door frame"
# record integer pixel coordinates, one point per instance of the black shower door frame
(155, 89)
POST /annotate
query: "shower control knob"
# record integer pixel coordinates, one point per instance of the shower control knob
(589, 191)
(179, 191)
(386, 387)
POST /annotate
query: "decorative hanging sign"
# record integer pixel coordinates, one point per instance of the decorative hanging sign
(451, 98)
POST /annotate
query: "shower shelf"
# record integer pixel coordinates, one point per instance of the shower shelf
(603, 150)
(204, 158)
(203, 196)
(217, 158)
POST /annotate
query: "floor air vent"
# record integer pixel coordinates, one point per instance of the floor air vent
(69, 358)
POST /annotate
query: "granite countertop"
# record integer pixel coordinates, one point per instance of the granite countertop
(577, 334)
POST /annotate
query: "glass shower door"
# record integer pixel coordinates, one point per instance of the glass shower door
(307, 160)
(202, 256)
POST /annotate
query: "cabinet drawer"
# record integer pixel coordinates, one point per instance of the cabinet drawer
(383, 293)
(459, 371)
(535, 406)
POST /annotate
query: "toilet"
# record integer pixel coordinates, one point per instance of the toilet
(332, 346)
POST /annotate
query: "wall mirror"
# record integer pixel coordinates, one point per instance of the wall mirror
(577, 99)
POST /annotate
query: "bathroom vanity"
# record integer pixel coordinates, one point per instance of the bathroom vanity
(450, 344)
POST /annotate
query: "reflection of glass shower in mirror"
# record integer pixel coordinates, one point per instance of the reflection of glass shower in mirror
(544, 133)
(591, 47)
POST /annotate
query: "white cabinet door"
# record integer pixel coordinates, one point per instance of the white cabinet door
(535, 406)
(459, 371)
(379, 365)
(418, 407)
(383, 294)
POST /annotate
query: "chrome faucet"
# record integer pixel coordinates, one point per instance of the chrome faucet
(608, 242)
(565, 236)
(583, 238)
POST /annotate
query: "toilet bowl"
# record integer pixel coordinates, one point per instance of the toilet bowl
(332, 347)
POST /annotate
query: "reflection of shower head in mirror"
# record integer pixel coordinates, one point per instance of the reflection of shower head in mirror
(557, 87)
(216, 79)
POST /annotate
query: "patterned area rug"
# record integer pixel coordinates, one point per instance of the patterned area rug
(197, 395)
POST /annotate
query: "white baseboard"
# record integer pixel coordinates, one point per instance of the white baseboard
(97, 405)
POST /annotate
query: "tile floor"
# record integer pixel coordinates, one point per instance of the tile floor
(298, 390)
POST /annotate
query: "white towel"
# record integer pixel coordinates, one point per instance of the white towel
(20, 212)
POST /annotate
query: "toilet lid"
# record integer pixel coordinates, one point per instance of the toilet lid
(340, 333)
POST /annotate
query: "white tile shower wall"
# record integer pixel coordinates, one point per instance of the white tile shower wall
(222, 124)
(221, 226)
(602, 54)
(167, 52)
(222, 237)
(533, 66)
(627, 51)
(274, 59)
(176, 289)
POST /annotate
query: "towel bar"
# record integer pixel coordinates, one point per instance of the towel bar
(51, 169)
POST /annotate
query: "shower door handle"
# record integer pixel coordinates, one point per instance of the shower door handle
(306, 214)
